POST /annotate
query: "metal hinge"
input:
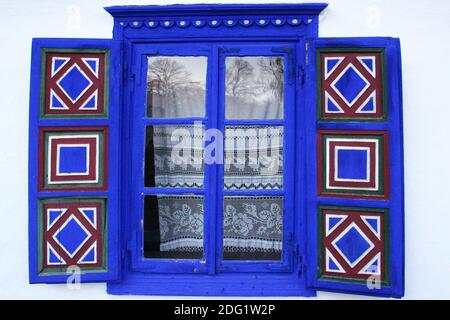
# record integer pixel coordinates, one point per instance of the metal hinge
(299, 260)
(132, 79)
(125, 69)
(301, 75)
(300, 265)
(306, 53)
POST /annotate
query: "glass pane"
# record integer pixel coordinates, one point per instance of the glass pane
(253, 157)
(252, 228)
(174, 156)
(254, 87)
(176, 86)
(173, 227)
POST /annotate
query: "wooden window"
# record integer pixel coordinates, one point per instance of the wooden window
(218, 150)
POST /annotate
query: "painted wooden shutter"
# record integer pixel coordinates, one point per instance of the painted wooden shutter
(74, 160)
(355, 166)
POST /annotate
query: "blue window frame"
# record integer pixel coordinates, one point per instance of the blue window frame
(341, 185)
(140, 121)
(268, 49)
(214, 118)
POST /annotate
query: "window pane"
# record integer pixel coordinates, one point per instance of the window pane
(252, 228)
(173, 227)
(253, 157)
(176, 86)
(174, 156)
(254, 87)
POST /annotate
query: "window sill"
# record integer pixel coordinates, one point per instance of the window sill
(211, 285)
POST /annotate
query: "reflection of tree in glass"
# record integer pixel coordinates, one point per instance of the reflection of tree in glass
(171, 90)
(239, 77)
(254, 87)
(244, 80)
(166, 76)
(272, 73)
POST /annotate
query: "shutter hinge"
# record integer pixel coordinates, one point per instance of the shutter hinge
(300, 266)
(125, 71)
(306, 53)
(299, 260)
(132, 80)
(301, 75)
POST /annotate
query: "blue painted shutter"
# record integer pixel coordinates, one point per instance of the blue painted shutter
(355, 166)
(73, 160)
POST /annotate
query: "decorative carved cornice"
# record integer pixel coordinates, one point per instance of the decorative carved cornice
(215, 15)
(213, 22)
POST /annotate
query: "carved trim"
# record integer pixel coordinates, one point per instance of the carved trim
(213, 22)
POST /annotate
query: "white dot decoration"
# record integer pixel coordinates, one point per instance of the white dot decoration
(215, 22)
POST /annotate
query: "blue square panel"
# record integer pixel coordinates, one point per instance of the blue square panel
(73, 159)
(352, 164)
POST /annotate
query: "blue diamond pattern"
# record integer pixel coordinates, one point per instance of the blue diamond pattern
(71, 236)
(352, 245)
(74, 83)
(350, 84)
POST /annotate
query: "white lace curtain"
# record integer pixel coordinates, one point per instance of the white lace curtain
(253, 160)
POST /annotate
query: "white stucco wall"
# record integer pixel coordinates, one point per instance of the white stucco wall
(424, 30)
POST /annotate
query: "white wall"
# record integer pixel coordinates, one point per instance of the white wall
(424, 30)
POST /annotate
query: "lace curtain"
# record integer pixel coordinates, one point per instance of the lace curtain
(253, 157)
(183, 167)
(250, 224)
(181, 223)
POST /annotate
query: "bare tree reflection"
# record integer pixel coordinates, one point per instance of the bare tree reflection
(272, 71)
(239, 77)
(254, 87)
(166, 75)
(171, 91)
